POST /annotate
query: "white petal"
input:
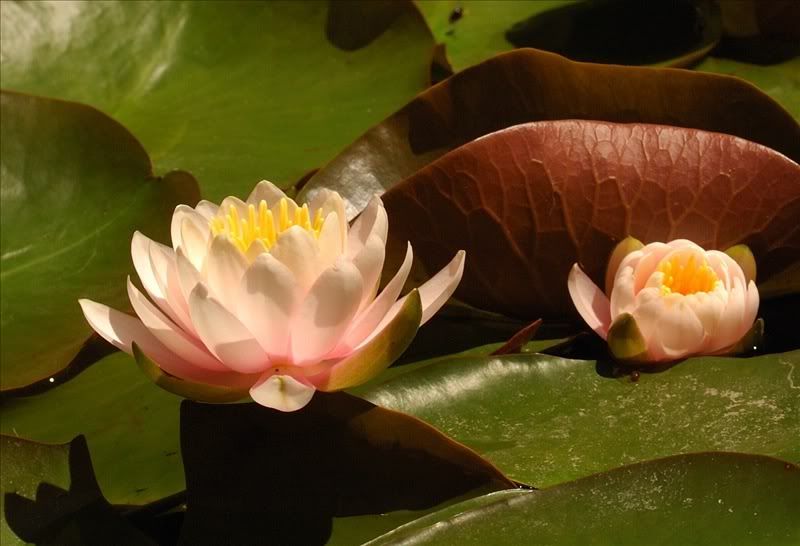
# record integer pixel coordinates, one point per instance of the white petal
(437, 290)
(235, 202)
(298, 250)
(372, 221)
(328, 201)
(330, 241)
(207, 209)
(265, 191)
(181, 214)
(223, 270)
(733, 323)
(188, 276)
(366, 322)
(266, 303)
(646, 263)
(194, 243)
(622, 294)
(281, 392)
(324, 315)
(224, 335)
(708, 306)
(170, 335)
(369, 262)
(140, 252)
(174, 304)
(671, 328)
(591, 303)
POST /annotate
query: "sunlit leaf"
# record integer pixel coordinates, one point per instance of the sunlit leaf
(75, 185)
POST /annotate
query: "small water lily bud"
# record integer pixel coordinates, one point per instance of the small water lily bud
(667, 301)
(270, 298)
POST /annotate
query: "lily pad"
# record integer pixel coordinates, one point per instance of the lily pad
(130, 424)
(544, 420)
(530, 85)
(532, 200)
(232, 91)
(780, 81)
(708, 499)
(75, 186)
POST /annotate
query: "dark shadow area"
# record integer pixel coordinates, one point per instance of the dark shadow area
(353, 24)
(257, 476)
(629, 32)
(79, 516)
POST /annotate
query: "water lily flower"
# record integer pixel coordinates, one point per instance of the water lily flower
(666, 301)
(269, 298)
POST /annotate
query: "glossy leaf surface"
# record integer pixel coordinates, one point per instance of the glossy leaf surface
(544, 420)
(75, 186)
(130, 424)
(531, 85)
(233, 92)
(704, 499)
(532, 200)
(256, 472)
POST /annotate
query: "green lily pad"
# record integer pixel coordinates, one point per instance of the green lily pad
(49, 496)
(544, 420)
(130, 424)
(75, 186)
(707, 499)
(780, 81)
(232, 91)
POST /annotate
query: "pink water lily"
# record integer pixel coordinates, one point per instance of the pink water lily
(666, 301)
(272, 298)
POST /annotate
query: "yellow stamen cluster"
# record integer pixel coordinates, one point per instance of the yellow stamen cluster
(261, 224)
(686, 277)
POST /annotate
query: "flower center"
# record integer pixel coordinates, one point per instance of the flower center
(686, 276)
(261, 224)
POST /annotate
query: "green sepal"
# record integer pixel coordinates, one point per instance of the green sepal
(742, 255)
(623, 248)
(625, 340)
(380, 352)
(200, 392)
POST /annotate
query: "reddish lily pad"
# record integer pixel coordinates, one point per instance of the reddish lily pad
(531, 85)
(533, 199)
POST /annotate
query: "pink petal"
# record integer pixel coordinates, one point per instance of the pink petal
(328, 201)
(372, 221)
(188, 276)
(123, 330)
(227, 338)
(266, 302)
(368, 320)
(590, 301)
(437, 290)
(265, 191)
(326, 312)
(207, 209)
(173, 338)
(281, 391)
(140, 252)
